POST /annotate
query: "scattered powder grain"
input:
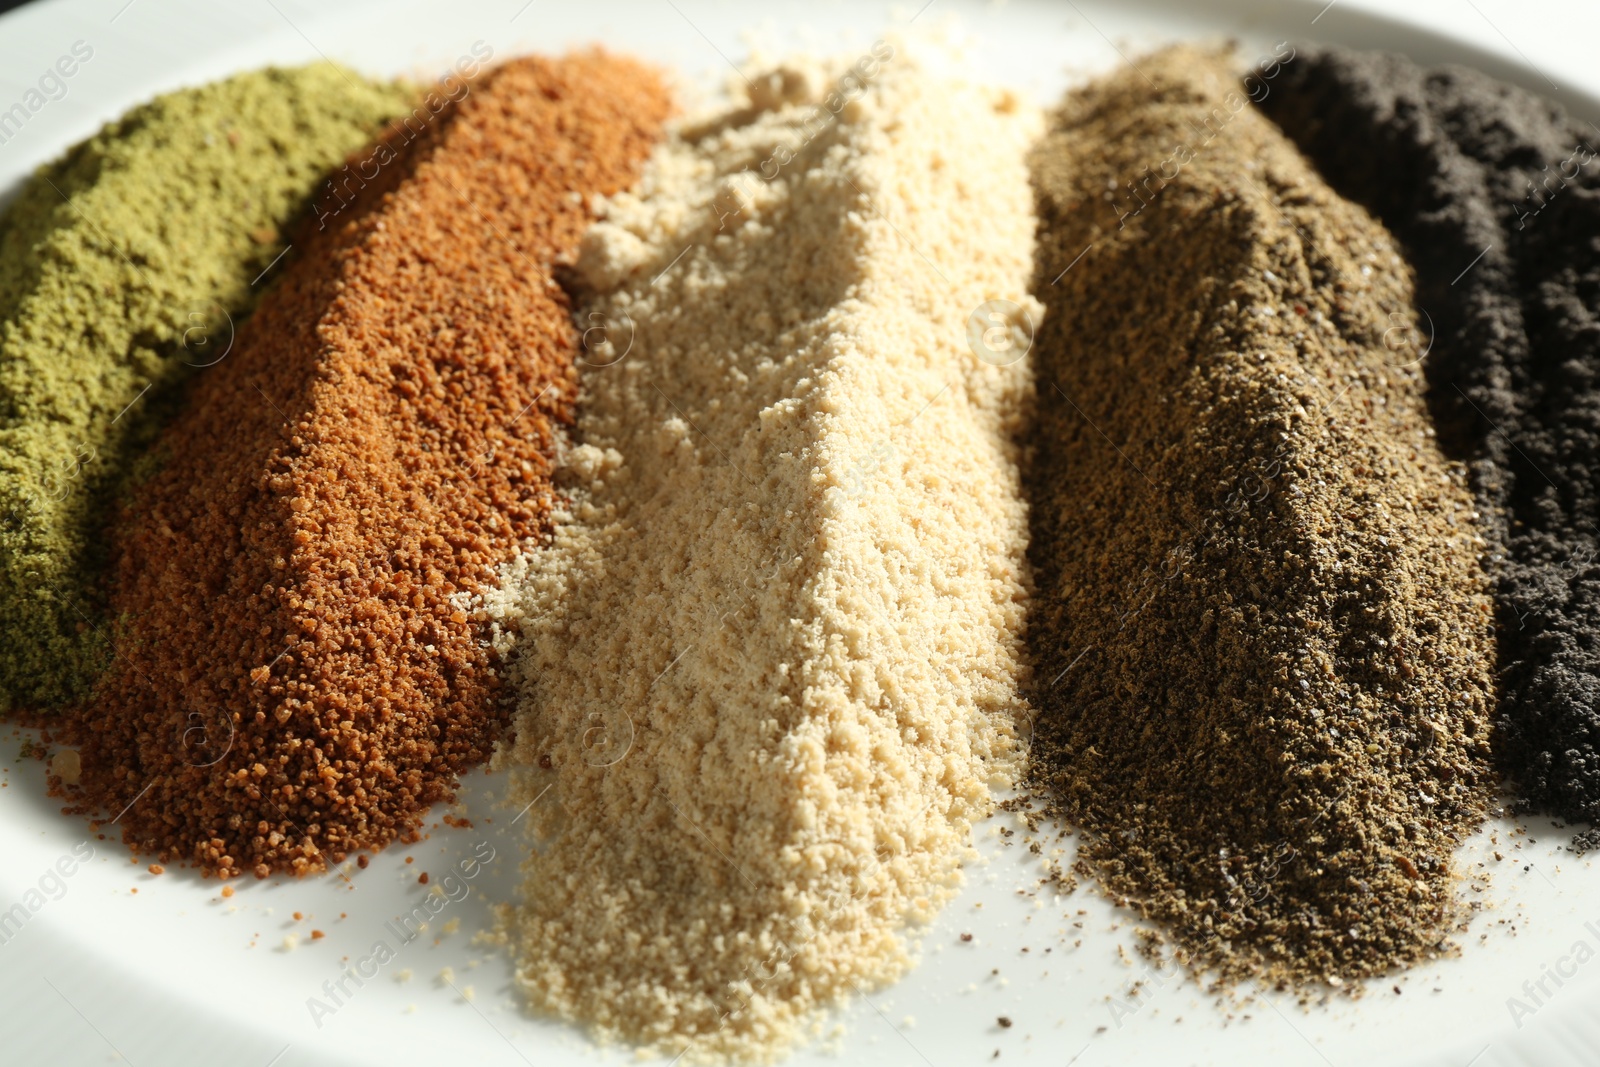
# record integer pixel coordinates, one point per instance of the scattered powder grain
(1495, 193)
(119, 268)
(1263, 643)
(293, 677)
(769, 661)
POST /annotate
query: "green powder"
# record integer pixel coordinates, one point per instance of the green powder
(124, 266)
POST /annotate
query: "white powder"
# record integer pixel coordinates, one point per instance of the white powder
(768, 666)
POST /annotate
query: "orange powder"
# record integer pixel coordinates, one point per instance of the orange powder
(294, 676)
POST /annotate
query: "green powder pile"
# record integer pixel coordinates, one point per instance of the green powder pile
(1264, 641)
(123, 266)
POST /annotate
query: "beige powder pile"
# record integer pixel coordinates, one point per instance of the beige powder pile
(769, 664)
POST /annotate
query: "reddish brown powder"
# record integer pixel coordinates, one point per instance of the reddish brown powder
(293, 680)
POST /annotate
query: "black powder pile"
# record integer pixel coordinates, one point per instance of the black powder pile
(1263, 642)
(1495, 194)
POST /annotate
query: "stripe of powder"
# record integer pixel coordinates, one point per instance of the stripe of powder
(1495, 192)
(1263, 639)
(295, 678)
(769, 662)
(120, 266)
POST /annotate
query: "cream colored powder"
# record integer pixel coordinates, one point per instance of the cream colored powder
(768, 667)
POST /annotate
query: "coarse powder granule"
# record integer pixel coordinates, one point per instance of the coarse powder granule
(293, 678)
(1263, 641)
(769, 661)
(1495, 193)
(120, 265)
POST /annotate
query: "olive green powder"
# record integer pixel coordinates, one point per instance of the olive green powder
(126, 266)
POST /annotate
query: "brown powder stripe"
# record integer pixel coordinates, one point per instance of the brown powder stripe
(1264, 641)
(1495, 192)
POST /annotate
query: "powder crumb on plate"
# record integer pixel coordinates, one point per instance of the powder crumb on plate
(66, 765)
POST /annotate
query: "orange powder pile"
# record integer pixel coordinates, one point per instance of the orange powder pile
(294, 677)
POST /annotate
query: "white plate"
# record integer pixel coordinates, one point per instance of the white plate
(174, 974)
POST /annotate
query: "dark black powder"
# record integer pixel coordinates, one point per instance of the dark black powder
(1495, 193)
